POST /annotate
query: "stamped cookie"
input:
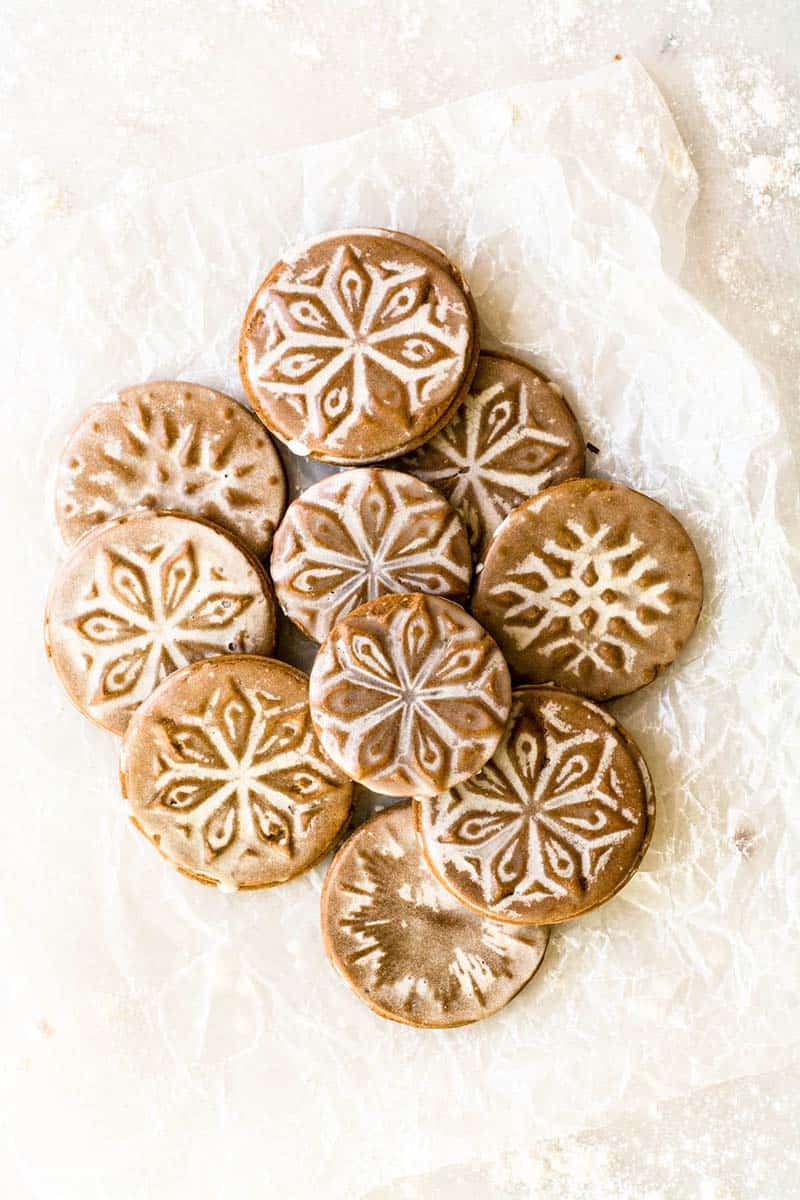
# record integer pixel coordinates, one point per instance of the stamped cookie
(405, 945)
(555, 824)
(592, 586)
(173, 446)
(409, 695)
(361, 534)
(513, 436)
(359, 346)
(143, 595)
(224, 773)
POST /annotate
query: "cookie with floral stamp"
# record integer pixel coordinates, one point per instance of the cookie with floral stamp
(409, 695)
(359, 345)
(175, 446)
(554, 825)
(143, 595)
(361, 534)
(224, 773)
(405, 945)
(513, 436)
(591, 586)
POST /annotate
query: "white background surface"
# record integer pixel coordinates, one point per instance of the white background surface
(100, 100)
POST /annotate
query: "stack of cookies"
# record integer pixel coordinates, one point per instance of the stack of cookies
(472, 601)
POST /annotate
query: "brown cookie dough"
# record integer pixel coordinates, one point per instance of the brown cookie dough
(224, 773)
(513, 436)
(409, 695)
(175, 446)
(555, 824)
(143, 595)
(362, 534)
(592, 586)
(359, 346)
(405, 945)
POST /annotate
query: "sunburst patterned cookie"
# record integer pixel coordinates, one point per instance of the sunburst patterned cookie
(144, 595)
(171, 445)
(225, 775)
(554, 824)
(359, 345)
(592, 586)
(362, 534)
(513, 436)
(405, 945)
(409, 695)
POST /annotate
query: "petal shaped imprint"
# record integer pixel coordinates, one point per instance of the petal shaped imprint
(221, 828)
(271, 825)
(102, 627)
(191, 745)
(128, 584)
(121, 675)
(185, 793)
(216, 611)
(178, 577)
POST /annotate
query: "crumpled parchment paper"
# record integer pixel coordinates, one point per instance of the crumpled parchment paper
(164, 1039)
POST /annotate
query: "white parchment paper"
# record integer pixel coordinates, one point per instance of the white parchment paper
(162, 1039)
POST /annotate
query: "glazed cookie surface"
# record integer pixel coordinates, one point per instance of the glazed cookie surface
(224, 773)
(143, 595)
(362, 534)
(405, 945)
(175, 446)
(513, 436)
(592, 586)
(359, 345)
(409, 695)
(555, 824)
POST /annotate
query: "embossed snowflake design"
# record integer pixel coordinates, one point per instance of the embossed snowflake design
(355, 339)
(412, 946)
(242, 773)
(541, 820)
(489, 458)
(586, 601)
(364, 534)
(148, 614)
(406, 706)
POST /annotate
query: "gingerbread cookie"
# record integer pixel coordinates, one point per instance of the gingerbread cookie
(592, 586)
(405, 945)
(359, 346)
(224, 773)
(143, 595)
(173, 446)
(512, 437)
(555, 824)
(409, 695)
(361, 534)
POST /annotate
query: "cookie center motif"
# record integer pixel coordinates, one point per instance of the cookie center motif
(243, 770)
(355, 339)
(592, 599)
(544, 818)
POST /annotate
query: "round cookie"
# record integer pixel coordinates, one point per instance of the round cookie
(409, 695)
(359, 346)
(554, 825)
(405, 945)
(224, 774)
(361, 534)
(175, 446)
(513, 436)
(143, 595)
(591, 586)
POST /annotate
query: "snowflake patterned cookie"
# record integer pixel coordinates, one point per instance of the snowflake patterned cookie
(409, 695)
(555, 824)
(591, 586)
(359, 346)
(405, 945)
(513, 436)
(361, 534)
(172, 446)
(143, 595)
(224, 773)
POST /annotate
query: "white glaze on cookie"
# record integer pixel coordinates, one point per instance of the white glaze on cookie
(405, 945)
(409, 695)
(362, 534)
